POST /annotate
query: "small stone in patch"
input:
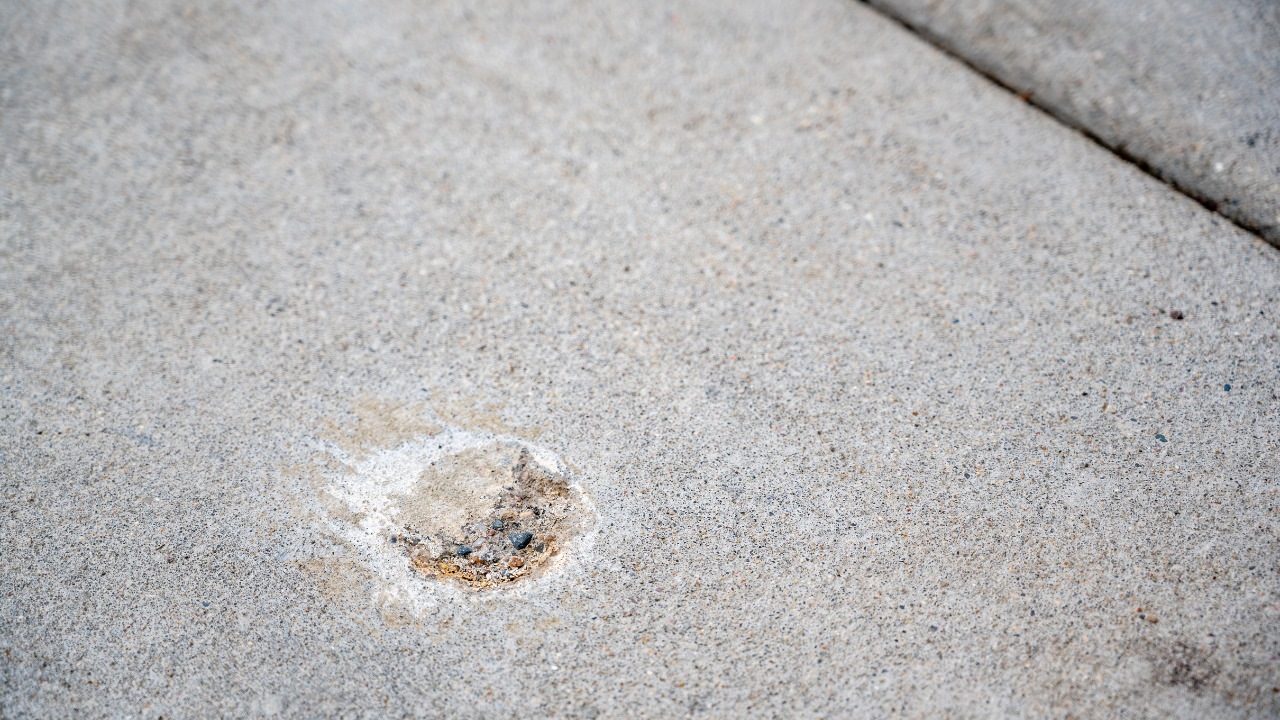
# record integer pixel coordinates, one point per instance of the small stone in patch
(1227, 387)
(463, 550)
(497, 525)
(521, 541)
(1161, 437)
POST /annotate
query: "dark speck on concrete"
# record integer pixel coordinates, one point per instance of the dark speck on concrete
(1176, 314)
(1161, 437)
(497, 525)
(539, 547)
(521, 541)
(463, 550)
(1227, 387)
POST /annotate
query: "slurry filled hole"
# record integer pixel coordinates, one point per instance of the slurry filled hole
(480, 523)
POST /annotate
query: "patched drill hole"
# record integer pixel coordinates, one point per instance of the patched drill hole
(413, 501)
(479, 521)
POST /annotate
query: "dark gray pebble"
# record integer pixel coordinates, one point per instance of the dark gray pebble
(521, 541)
(539, 547)
(497, 525)
(463, 550)
(1161, 437)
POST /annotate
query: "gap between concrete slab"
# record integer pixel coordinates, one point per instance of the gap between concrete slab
(1029, 97)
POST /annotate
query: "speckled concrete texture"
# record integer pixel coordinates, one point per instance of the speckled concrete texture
(867, 368)
(1190, 88)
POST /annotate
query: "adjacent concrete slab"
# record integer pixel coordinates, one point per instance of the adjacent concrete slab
(1191, 88)
(865, 369)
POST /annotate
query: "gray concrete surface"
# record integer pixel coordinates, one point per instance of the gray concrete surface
(867, 367)
(1189, 88)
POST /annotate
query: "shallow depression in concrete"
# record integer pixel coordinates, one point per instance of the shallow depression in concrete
(466, 509)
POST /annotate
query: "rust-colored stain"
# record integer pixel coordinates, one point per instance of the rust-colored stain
(511, 537)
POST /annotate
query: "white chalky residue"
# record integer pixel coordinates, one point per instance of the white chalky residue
(375, 486)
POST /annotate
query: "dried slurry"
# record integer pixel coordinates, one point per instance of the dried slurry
(526, 526)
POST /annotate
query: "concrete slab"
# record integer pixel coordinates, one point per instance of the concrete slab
(865, 370)
(1190, 89)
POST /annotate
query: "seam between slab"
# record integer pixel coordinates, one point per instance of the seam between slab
(1120, 152)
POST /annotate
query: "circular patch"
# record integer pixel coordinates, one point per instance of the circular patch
(472, 509)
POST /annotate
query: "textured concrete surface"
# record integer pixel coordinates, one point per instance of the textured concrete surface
(1190, 88)
(867, 367)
